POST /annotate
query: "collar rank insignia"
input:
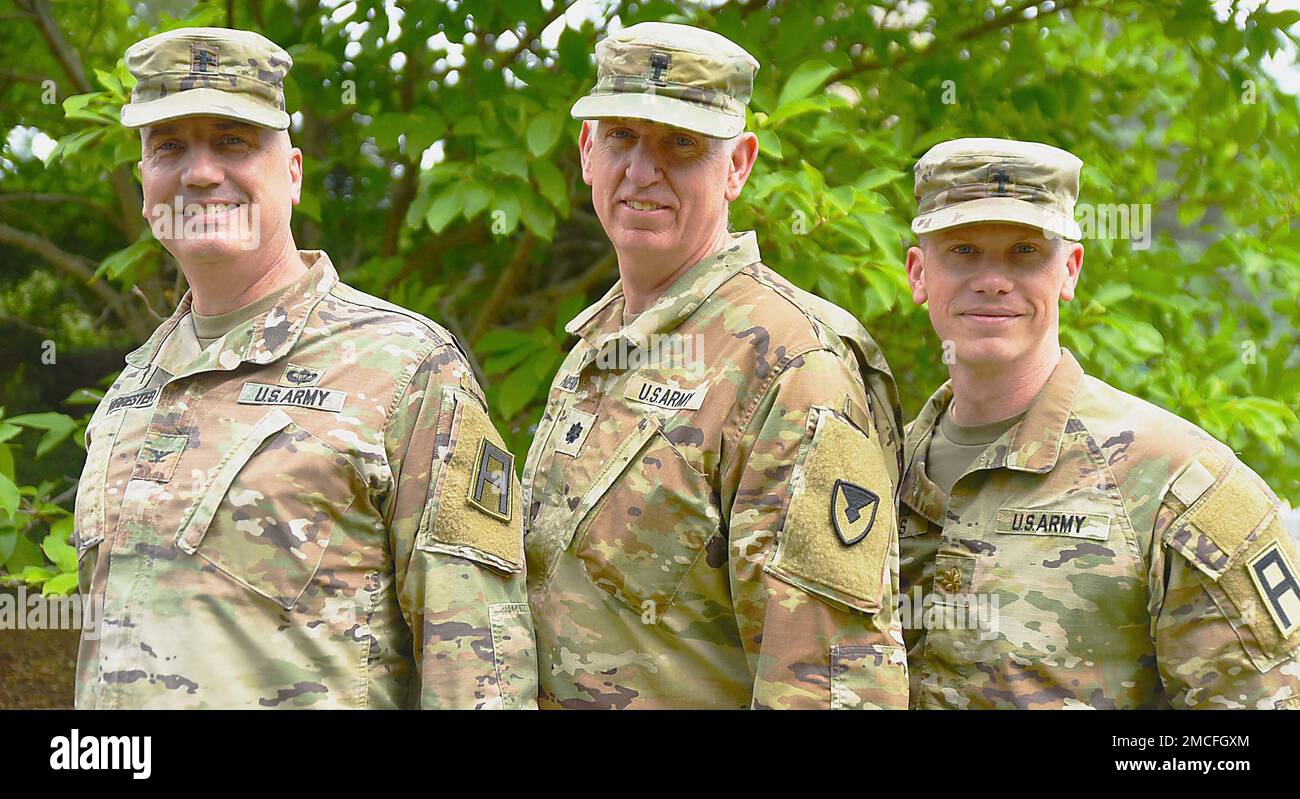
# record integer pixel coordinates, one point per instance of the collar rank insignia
(571, 431)
(853, 511)
(489, 488)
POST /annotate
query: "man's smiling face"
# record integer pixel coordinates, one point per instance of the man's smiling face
(992, 289)
(660, 191)
(230, 169)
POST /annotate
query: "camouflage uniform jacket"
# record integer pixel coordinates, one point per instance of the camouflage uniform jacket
(314, 511)
(712, 526)
(1135, 562)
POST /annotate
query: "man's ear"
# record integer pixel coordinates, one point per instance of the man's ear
(743, 156)
(586, 137)
(1073, 266)
(295, 174)
(144, 208)
(916, 274)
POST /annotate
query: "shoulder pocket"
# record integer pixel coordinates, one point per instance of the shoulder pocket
(839, 527)
(1223, 518)
(267, 514)
(645, 521)
(473, 506)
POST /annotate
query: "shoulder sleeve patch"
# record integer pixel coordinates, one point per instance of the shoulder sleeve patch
(1222, 520)
(473, 508)
(1233, 535)
(1260, 596)
(839, 527)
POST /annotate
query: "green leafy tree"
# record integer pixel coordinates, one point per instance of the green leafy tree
(442, 174)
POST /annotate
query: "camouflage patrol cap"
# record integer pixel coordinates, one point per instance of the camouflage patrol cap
(219, 72)
(967, 181)
(675, 75)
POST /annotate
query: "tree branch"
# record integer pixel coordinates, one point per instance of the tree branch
(1008, 18)
(507, 282)
(68, 58)
(526, 40)
(120, 179)
(83, 269)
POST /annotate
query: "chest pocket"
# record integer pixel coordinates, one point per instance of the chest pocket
(266, 517)
(645, 521)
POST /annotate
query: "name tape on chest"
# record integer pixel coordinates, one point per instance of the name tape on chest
(569, 383)
(1076, 524)
(661, 396)
(320, 399)
(136, 399)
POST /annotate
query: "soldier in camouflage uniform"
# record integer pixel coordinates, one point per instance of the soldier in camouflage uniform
(300, 502)
(1121, 556)
(709, 492)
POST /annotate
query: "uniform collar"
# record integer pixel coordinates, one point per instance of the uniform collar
(603, 321)
(261, 340)
(1032, 445)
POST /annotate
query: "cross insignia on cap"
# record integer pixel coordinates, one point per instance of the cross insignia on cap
(1002, 178)
(203, 56)
(659, 63)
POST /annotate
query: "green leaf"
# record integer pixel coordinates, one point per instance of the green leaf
(58, 426)
(544, 131)
(35, 575)
(505, 361)
(769, 144)
(537, 216)
(8, 496)
(476, 197)
(505, 211)
(502, 339)
(791, 110)
(109, 81)
(84, 396)
(60, 553)
(60, 585)
(73, 142)
(550, 182)
(877, 177)
(508, 162)
(8, 538)
(126, 259)
(444, 208)
(807, 78)
(426, 127)
(1111, 293)
(515, 391)
(385, 128)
